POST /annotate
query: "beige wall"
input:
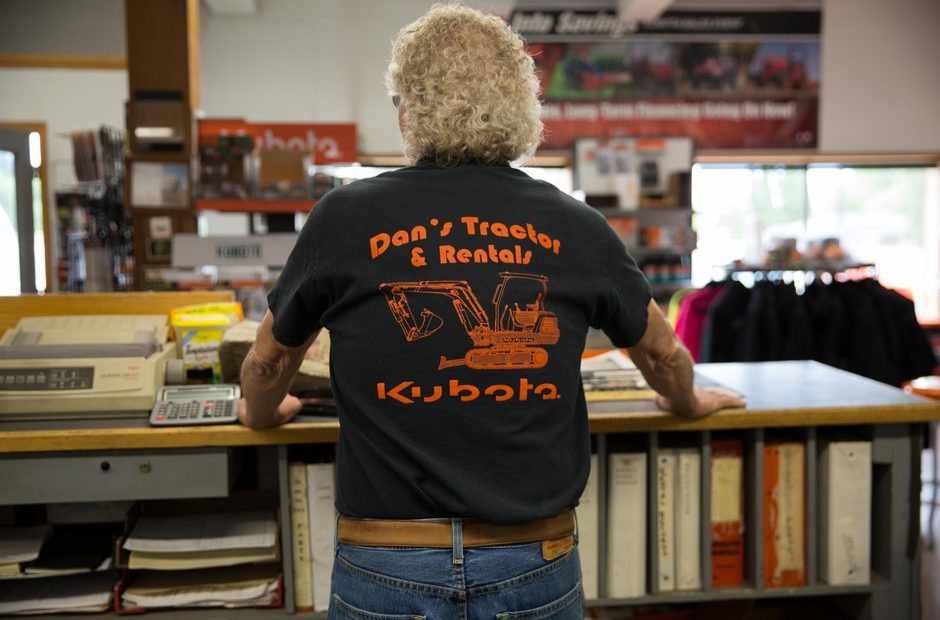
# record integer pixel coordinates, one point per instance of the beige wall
(880, 76)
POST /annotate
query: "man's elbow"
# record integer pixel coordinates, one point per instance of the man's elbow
(261, 364)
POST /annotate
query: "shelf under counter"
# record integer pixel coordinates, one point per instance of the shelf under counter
(680, 597)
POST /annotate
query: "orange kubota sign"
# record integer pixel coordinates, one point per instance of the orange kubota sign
(329, 143)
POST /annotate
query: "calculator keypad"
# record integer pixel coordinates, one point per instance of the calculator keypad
(179, 413)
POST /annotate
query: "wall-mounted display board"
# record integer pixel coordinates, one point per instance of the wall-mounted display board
(728, 79)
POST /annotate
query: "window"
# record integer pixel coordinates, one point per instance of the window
(883, 215)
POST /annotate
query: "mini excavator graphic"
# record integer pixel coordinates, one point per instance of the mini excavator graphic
(520, 322)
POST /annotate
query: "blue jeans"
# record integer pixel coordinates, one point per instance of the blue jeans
(505, 582)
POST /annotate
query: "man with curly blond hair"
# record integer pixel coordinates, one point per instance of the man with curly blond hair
(458, 293)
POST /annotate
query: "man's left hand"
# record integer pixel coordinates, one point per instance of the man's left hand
(286, 410)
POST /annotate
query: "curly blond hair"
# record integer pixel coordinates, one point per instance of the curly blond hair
(468, 86)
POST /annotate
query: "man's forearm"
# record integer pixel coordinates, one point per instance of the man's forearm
(671, 376)
(264, 383)
(266, 375)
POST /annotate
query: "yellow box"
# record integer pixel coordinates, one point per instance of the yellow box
(199, 330)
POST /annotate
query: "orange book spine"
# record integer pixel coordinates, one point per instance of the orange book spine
(727, 513)
(784, 516)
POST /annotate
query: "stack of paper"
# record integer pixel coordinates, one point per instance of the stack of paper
(19, 545)
(613, 376)
(76, 549)
(235, 586)
(90, 592)
(213, 559)
(202, 541)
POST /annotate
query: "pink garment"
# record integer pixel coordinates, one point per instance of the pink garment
(693, 311)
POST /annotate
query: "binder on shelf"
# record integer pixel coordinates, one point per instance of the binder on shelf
(784, 514)
(588, 543)
(845, 473)
(321, 503)
(727, 512)
(666, 520)
(688, 519)
(300, 536)
(626, 525)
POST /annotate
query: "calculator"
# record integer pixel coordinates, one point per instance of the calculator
(189, 405)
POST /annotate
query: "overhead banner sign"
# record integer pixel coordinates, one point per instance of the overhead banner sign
(728, 80)
(329, 143)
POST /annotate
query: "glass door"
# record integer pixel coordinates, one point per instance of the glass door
(17, 262)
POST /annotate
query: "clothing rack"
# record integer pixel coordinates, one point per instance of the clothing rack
(850, 322)
(799, 274)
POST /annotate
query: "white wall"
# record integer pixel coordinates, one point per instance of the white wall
(288, 62)
(66, 101)
(880, 76)
(308, 61)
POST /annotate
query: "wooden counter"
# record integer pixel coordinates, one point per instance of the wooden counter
(778, 394)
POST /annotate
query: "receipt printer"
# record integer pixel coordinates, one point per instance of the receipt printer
(83, 366)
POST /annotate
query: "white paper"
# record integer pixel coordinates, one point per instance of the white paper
(21, 544)
(238, 585)
(147, 184)
(56, 593)
(726, 489)
(203, 532)
(615, 359)
(188, 560)
(203, 596)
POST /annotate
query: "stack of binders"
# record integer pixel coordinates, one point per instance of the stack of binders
(313, 522)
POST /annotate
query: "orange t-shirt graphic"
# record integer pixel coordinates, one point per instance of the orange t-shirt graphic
(510, 342)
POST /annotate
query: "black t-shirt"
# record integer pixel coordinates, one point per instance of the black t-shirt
(458, 302)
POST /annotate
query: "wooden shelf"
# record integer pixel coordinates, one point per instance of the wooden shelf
(736, 594)
(234, 205)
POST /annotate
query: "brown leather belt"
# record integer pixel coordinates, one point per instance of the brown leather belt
(439, 534)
